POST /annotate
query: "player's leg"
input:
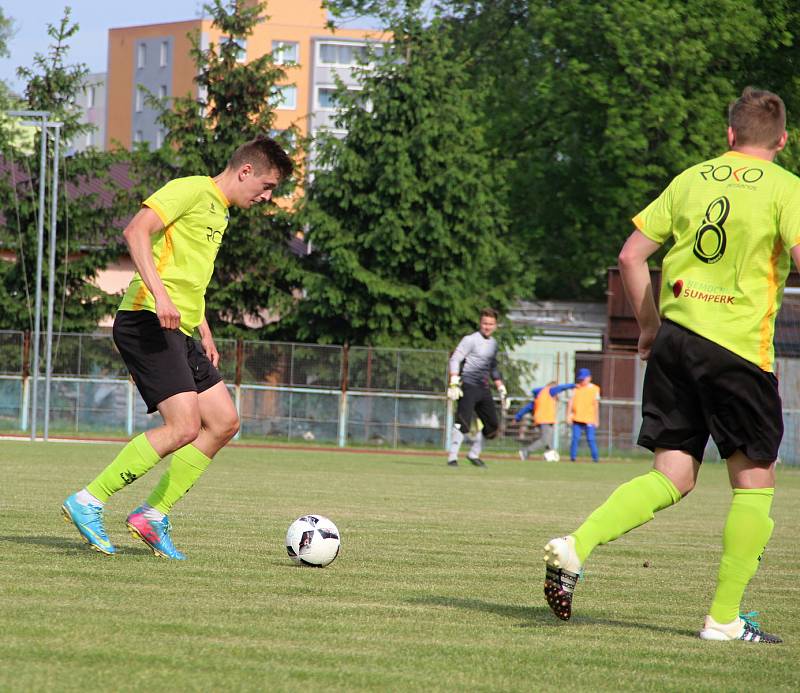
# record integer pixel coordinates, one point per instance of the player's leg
(577, 430)
(631, 505)
(157, 360)
(673, 428)
(592, 440)
(219, 422)
(486, 412)
(462, 423)
(745, 536)
(748, 431)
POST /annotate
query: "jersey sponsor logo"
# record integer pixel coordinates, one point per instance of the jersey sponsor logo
(702, 291)
(214, 236)
(711, 239)
(747, 174)
(677, 287)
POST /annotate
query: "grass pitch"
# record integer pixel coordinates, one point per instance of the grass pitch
(438, 585)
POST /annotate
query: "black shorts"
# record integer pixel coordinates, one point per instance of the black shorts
(161, 362)
(694, 388)
(477, 399)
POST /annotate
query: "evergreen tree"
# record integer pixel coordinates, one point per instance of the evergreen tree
(254, 271)
(406, 213)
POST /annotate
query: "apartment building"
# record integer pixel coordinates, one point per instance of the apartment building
(156, 58)
(91, 101)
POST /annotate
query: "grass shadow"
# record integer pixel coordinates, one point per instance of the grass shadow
(66, 544)
(542, 616)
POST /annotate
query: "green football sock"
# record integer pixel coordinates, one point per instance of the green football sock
(747, 531)
(186, 466)
(631, 505)
(136, 459)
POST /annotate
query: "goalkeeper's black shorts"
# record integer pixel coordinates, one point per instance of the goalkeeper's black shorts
(694, 388)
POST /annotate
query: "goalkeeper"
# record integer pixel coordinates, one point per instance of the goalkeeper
(472, 365)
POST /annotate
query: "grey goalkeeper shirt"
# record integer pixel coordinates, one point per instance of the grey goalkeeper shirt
(479, 357)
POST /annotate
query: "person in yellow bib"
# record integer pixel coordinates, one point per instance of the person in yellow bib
(735, 223)
(583, 414)
(173, 241)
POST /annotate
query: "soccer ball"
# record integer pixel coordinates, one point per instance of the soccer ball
(551, 456)
(312, 540)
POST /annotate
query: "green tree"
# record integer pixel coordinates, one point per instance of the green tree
(599, 104)
(406, 213)
(254, 271)
(85, 240)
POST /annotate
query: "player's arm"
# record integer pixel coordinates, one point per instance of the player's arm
(528, 408)
(207, 342)
(137, 235)
(558, 389)
(635, 275)
(454, 391)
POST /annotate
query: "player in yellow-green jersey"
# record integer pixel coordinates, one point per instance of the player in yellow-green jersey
(735, 223)
(173, 241)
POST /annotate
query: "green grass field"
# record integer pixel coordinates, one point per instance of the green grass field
(438, 585)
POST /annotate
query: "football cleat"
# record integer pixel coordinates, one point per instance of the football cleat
(477, 461)
(452, 463)
(154, 533)
(742, 628)
(561, 574)
(88, 519)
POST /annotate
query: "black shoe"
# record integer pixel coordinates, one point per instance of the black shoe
(477, 461)
(452, 463)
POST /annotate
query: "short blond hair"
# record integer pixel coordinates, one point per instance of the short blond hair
(758, 118)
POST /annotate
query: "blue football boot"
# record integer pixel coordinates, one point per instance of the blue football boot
(89, 521)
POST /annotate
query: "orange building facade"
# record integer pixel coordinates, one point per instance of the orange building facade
(156, 58)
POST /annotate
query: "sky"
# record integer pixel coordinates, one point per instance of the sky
(95, 17)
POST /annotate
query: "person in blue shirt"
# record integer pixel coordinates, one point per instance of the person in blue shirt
(543, 412)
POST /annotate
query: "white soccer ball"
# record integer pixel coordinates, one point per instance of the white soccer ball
(312, 540)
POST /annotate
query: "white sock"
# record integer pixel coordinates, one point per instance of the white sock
(151, 513)
(477, 447)
(85, 498)
(458, 438)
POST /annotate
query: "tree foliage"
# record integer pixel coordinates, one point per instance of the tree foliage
(406, 213)
(84, 227)
(253, 274)
(596, 105)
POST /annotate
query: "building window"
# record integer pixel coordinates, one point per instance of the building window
(326, 98)
(162, 92)
(139, 99)
(141, 55)
(285, 52)
(163, 54)
(159, 138)
(90, 96)
(286, 97)
(346, 54)
(138, 136)
(90, 138)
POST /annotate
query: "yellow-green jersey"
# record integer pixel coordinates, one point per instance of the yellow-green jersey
(734, 220)
(194, 212)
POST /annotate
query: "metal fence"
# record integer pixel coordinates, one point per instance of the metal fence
(328, 394)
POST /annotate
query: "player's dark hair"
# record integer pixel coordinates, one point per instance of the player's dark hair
(489, 313)
(758, 118)
(264, 154)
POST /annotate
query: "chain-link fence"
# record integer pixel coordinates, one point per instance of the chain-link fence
(309, 393)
